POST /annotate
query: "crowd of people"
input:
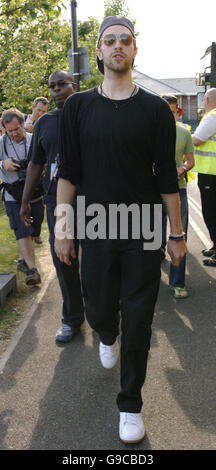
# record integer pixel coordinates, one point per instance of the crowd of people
(116, 144)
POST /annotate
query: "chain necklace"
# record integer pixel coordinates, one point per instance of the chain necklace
(103, 93)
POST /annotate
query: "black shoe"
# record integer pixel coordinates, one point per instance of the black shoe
(22, 266)
(38, 240)
(66, 333)
(210, 252)
(33, 277)
(210, 262)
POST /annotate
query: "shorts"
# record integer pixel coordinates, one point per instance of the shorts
(20, 230)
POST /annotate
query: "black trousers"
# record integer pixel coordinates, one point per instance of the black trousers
(68, 277)
(120, 275)
(207, 187)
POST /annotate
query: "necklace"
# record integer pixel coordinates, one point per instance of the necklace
(103, 92)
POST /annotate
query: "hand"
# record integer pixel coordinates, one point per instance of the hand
(9, 165)
(180, 171)
(25, 214)
(176, 250)
(65, 250)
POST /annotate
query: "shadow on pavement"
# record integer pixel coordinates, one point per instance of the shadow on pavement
(79, 410)
(190, 326)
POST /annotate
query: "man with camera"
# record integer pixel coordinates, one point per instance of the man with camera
(14, 147)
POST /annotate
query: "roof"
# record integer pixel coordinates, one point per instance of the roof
(176, 86)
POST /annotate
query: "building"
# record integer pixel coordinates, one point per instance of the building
(185, 89)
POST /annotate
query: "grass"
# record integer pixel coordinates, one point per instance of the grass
(10, 315)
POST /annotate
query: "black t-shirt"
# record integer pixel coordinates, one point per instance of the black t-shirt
(118, 151)
(44, 147)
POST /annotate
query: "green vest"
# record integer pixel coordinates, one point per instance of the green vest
(205, 154)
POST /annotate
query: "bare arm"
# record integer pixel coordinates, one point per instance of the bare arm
(188, 163)
(64, 248)
(33, 175)
(196, 141)
(176, 249)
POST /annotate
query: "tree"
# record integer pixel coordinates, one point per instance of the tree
(20, 10)
(32, 42)
(115, 7)
(31, 55)
(118, 7)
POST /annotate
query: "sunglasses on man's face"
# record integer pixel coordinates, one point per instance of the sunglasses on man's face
(60, 83)
(110, 39)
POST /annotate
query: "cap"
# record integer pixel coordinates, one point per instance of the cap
(112, 21)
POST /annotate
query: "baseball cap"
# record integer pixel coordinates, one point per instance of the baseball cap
(112, 21)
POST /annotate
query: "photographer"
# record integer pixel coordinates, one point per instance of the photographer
(14, 147)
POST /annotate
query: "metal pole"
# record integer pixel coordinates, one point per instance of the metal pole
(75, 51)
(213, 65)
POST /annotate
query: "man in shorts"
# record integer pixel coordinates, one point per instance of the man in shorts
(14, 147)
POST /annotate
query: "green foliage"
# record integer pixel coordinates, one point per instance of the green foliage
(34, 41)
(19, 11)
(88, 34)
(115, 7)
(33, 50)
(32, 53)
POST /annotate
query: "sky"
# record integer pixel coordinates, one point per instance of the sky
(173, 35)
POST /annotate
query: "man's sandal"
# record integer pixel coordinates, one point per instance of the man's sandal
(210, 252)
(180, 293)
(210, 262)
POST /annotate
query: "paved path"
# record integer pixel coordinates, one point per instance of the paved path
(61, 398)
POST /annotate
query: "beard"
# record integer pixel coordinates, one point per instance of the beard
(119, 67)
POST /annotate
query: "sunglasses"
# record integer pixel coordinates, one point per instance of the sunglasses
(110, 39)
(60, 84)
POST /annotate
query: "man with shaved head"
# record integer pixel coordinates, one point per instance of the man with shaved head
(204, 140)
(44, 155)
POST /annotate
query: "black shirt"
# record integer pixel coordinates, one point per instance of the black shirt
(44, 147)
(118, 151)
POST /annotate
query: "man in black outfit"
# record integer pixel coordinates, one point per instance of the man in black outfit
(44, 151)
(117, 143)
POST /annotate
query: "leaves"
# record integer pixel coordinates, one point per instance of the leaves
(34, 41)
(33, 52)
(20, 8)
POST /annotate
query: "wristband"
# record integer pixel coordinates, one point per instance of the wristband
(1, 165)
(184, 167)
(176, 237)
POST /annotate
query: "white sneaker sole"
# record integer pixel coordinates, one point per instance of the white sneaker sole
(108, 364)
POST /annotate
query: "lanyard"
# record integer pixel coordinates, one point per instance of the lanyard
(5, 149)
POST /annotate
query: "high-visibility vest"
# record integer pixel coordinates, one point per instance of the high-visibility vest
(183, 124)
(205, 154)
(190, 176)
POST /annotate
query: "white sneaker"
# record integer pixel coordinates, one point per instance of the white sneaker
(131, 428)
(109, 354)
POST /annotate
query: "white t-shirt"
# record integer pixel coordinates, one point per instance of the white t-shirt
(206, 128)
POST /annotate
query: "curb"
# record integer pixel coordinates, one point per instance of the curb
(15, 339)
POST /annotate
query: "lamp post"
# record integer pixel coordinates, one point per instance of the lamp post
(75, 51)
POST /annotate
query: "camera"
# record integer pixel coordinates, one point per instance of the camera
(22, 170)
